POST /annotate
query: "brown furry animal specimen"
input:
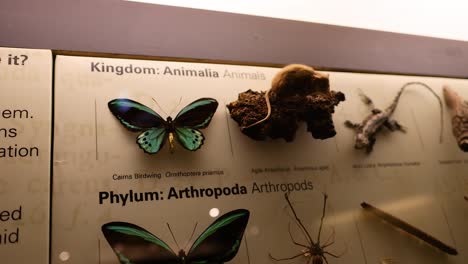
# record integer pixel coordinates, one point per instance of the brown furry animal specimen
(298, 94)
(459, 112)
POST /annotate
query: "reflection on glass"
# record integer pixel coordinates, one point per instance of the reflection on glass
(254, 230)
(214, 212)
(64, 256)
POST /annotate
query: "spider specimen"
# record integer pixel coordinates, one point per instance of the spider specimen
(314, 252)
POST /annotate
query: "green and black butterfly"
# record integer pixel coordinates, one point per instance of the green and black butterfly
(218, 244)
(139, 118)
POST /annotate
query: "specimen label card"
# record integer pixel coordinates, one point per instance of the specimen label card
(25, 140)
(103, 175)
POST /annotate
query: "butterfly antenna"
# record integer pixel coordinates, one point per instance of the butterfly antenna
(177, 105)
(191, 236)
(172, 234)
(162, 110)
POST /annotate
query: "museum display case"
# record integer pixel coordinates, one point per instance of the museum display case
(193, 143)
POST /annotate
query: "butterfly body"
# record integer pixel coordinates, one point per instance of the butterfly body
(170, 129)
(182, 256)
(218, 244)
(169, 125)
(137, 117)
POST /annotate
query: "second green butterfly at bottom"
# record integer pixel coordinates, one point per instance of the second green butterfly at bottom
(219, 243)
(155, 130)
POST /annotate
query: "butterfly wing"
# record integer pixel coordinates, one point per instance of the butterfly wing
(135, 116)
(189, 138)
(220, 242)
(134, 245)
(152, 140)
(196, 115)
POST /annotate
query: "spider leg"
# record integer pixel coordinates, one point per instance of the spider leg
(336, 256)
(299, 222)
(281, 259)
(292, 239)
(344, 252)
(328, 242)
(331, 254)
(325, 258)
(325, 197)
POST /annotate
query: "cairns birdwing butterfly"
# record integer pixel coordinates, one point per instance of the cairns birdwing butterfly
(218, 244)
(155, 130)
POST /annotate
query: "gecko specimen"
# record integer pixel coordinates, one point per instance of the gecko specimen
(367, 130)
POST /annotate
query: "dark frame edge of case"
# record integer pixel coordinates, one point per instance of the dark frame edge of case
(122, 29)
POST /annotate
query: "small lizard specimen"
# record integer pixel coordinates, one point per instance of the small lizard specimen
(367, 130)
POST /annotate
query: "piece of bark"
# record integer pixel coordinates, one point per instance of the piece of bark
(298, 94)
